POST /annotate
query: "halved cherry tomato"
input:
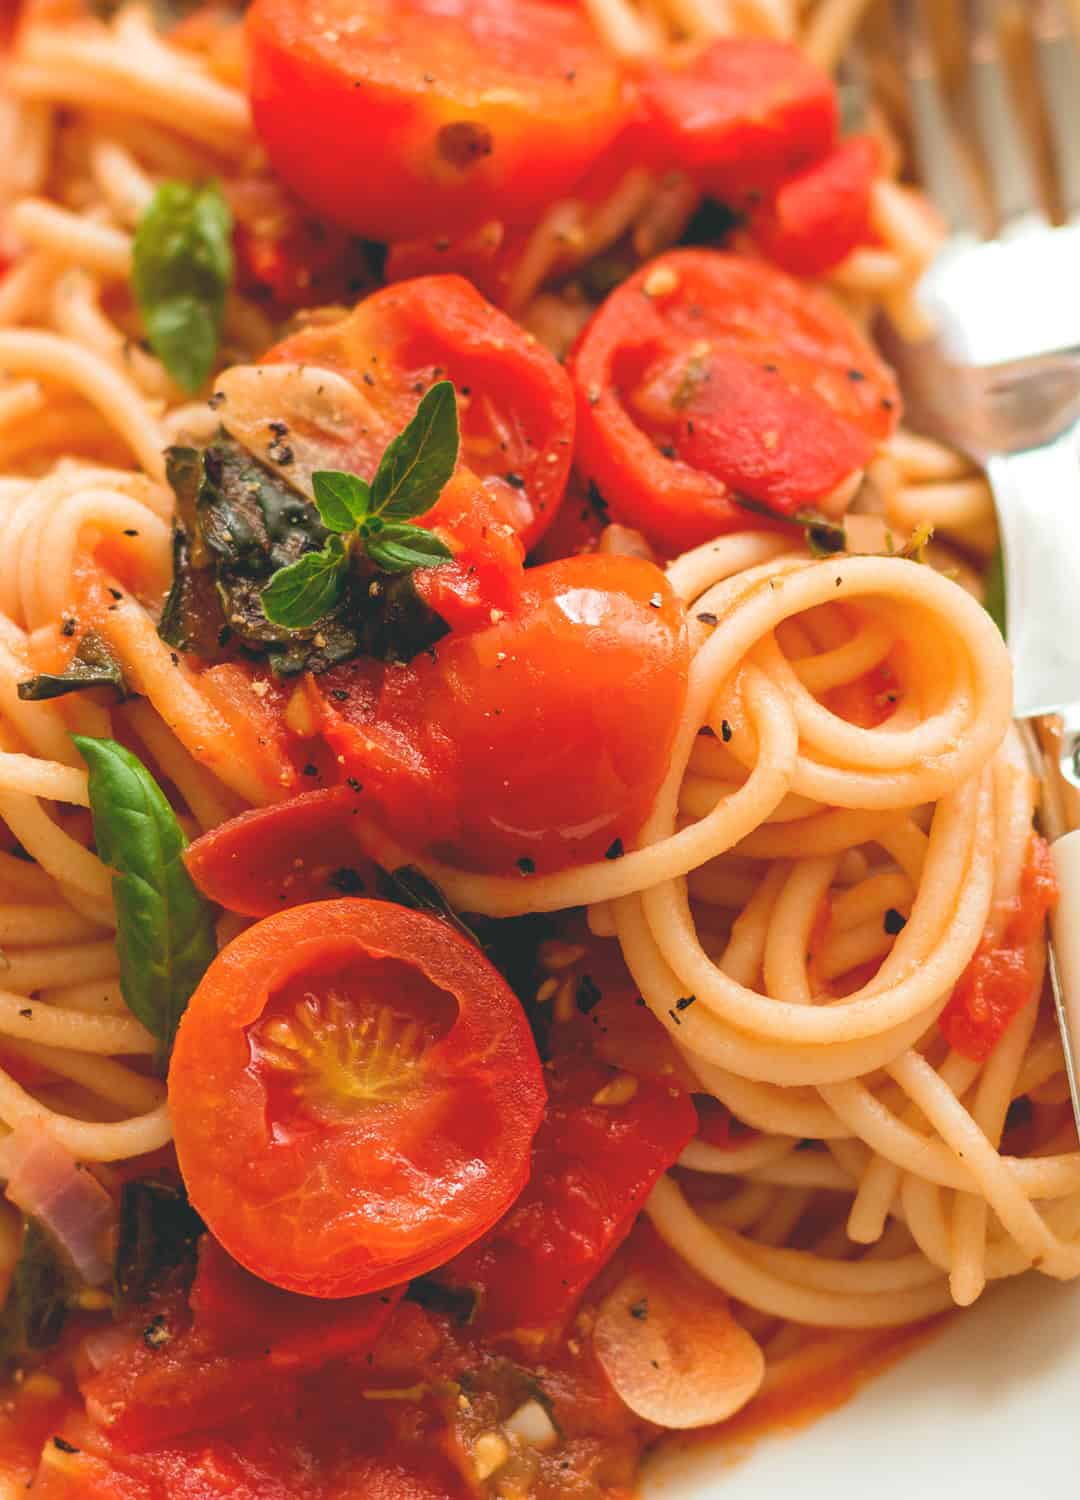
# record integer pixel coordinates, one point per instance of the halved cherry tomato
(818, 218)
(594, 1164)
(390, 116)
(999, 980)
(705, 377)
(237, 1346)
(515, 401)
(354, 1090)
(741, 116)
(511, 750)
(273, 857)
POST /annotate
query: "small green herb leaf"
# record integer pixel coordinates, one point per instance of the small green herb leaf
(408, 886)
(306, 590)
(37, 1303)
(995, 589)
(824, 537)
(165, 929)
(344, 500)
(399, 547)
(92, 666)
(420, 460)
(183, 265)
(159, 1233)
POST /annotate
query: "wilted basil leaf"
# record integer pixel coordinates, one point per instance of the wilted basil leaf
(92, 666)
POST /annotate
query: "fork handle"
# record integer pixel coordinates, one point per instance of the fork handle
(1065, 973)
(1037, 493)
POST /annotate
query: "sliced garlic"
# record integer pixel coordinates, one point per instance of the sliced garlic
(673, 1352)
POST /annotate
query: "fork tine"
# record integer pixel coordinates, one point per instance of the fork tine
(943, 170)
(1008, 163)
(1059, 72)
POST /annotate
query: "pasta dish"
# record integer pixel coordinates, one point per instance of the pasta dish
(522, 926)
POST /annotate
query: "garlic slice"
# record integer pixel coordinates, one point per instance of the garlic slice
(673, 1352)
(298, 418)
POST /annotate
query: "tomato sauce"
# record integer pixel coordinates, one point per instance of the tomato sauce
(999, 981)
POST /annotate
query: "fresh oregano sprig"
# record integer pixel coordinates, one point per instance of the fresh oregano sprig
(374, 519)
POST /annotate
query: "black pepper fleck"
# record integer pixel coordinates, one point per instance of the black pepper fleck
(615, 850)
(895, 921)
(725, 731)
(526, 865)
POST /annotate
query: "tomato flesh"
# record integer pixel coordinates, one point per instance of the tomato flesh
(509, 752)
(515, 402)
(706, 376)
(819, 217)
(239, 1345)
(594, 1164)
(742, 116)
(354, 1090)
(999, 980)
(390, 116)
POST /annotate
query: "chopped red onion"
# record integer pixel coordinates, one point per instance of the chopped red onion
(46, 1182)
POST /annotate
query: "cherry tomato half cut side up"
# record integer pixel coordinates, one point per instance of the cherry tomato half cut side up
(354, 1090)
(706, 376)
(391, 116)
(509, 752)
(515, 401)
(742, 116)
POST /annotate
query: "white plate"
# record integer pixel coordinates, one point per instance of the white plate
(988, 1410)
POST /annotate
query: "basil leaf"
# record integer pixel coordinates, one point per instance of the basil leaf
(157, 1242)
(39, 1297)
(344, 500)
(995, 589)
(92, 666)
(165, 929)
(183, 265)
(408, 886)
(420, 460)
(299, 595)
(399, 547)
(824, 537)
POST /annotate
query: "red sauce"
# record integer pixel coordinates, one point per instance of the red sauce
(998, 982)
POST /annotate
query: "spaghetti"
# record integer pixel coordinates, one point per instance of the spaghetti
(810, 830)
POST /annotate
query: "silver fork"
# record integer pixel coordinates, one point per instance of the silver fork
(1000, 379)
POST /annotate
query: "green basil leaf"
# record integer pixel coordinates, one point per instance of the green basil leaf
(165, 929)
(38, 1300)
(157, 1241)
(344, 500)
(399, 547)
(995, 589)
(92, 666)
(183, 265)
(299, 595)
(420, 460)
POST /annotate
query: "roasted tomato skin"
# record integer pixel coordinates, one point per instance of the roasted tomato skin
(595, 1161)
(815, 221)
(392, 116)
(741, 116)
(354, 1090)
(515, 401)
(707, 376)
(509, 753)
